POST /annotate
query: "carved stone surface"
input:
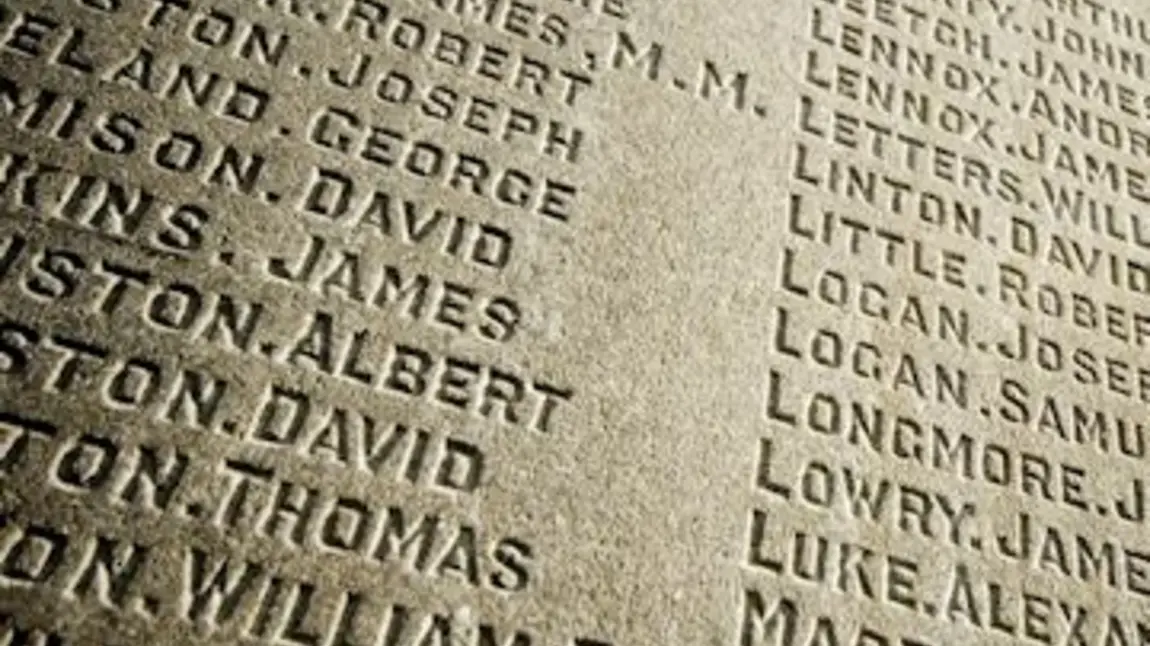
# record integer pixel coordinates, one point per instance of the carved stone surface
(574, 322)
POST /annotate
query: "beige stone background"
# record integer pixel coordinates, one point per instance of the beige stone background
(655, 303)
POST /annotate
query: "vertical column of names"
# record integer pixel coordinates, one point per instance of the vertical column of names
(953, 417)
(268, 273)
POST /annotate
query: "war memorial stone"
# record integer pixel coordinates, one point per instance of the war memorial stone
(574, 322)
